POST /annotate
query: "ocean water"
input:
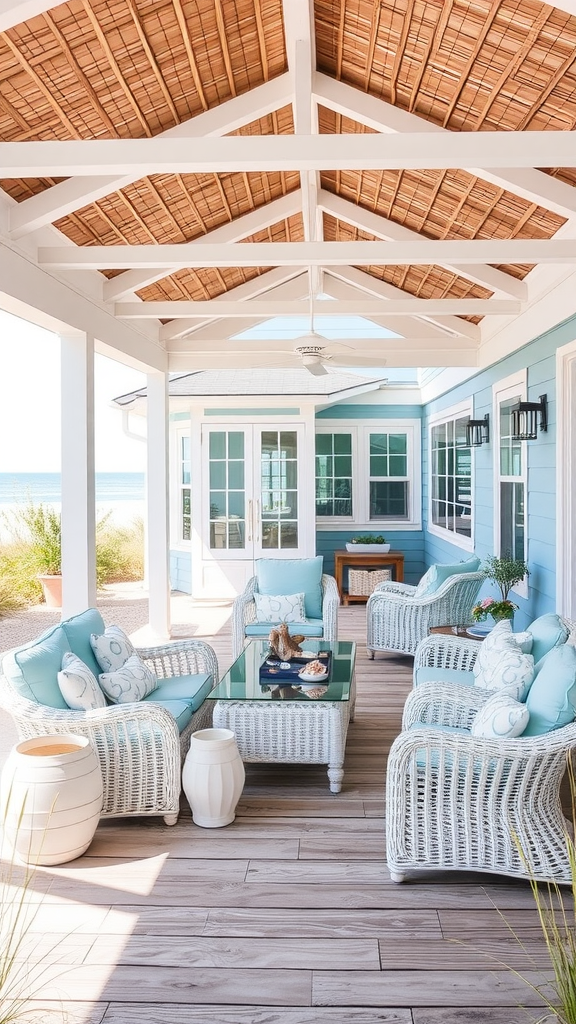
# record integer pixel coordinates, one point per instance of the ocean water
(46, 488)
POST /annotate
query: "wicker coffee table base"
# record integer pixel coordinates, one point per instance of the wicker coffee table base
(295, 733)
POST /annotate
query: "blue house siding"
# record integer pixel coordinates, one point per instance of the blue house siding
(181, 571)
(539, 356)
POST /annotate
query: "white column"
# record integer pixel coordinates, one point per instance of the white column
(78, 487)
(157, 497)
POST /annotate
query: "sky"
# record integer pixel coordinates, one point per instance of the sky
(30, 404)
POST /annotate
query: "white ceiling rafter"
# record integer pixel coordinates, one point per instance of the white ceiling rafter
(263, 217)
(382, 227)
(241, 153)
(420, 252)
(403, 355)
(273, 307)
(528, 183)
(76, 192)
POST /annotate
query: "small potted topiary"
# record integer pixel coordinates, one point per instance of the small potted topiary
(368, 542)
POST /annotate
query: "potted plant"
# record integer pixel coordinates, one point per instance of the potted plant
(369, 542)
(505, 572)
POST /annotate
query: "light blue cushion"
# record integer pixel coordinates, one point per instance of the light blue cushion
(181, 710)
(431, 674)
(261, 630)
(548, 632)
(191, 689)
(33, 669)
(551, 699)
(78, 630)
(438, 574)
(293, 576)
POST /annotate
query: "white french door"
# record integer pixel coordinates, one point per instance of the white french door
(252, 500)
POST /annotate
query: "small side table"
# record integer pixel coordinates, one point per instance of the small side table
(367, 560)
(460, 631)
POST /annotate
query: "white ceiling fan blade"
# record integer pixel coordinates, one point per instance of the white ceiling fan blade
(316, 368)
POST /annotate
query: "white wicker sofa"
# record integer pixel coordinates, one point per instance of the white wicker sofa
(456, 801)
(140, 745)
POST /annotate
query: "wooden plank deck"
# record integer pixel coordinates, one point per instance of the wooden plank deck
(287, 916)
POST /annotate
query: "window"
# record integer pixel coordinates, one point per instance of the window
(451, 475)
(368, 475)
(185, 511)
(510, 473)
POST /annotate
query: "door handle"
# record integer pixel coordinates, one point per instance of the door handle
(250, 522)
(258, 519)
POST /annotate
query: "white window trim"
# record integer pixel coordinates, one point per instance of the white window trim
(565, 479)
(360, 430)
(177, 542)
(509, 387)
(452, 413)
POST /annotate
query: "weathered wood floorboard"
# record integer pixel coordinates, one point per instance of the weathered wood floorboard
(287, 916)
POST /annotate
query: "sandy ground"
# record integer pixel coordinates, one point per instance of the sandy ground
(125, 604)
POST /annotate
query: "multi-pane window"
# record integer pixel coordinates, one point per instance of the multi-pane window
(279, 488)
(388, 476)
(185, 512)
(512, 513)
(451, 477)
(334, 474)
(227, 489)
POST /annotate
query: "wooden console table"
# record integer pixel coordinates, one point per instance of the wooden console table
(367, 560)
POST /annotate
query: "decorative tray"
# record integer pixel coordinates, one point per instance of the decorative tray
(286, 673)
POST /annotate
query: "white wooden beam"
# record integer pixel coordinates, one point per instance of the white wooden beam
(74, 193)
(157, 504)
(240, 153)
(356, 347)
(271, 308)
(382, 227)
(241, 227)
(277, 254)
(15, 12)
(399, 356)
(352, 277)
(530, 184)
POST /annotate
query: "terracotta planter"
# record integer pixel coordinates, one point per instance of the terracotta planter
(51, 798)
(52, 587)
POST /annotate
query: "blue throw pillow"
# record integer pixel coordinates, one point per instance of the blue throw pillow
(438, 574)
(551, 699)
(293, 576)
(548, 631)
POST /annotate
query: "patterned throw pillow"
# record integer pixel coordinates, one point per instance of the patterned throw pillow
(78, 685)
(502, 717)
(132, 682)
(509, 671)
(280, 607)
(112, 649)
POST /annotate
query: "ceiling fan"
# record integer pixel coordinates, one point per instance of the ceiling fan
(315, 350)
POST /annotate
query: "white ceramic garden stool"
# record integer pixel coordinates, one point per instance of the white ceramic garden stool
(51, 798)
(213, 777)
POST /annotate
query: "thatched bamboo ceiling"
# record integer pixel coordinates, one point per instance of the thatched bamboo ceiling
(133, 69)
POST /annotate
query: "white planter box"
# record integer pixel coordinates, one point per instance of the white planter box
(381, 549)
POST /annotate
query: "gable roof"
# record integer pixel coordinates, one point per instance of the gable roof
(232, 186)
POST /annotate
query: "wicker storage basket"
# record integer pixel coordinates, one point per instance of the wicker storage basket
(363, 581)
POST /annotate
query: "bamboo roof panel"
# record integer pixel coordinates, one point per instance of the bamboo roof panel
(131, 68)
(483, 66)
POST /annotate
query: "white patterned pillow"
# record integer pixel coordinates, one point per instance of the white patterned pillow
(525, 640)
(78, 685)
(112, 648)
(502, 717)
(132, 682)
(280, 607)
(499, 639)
(509, 671)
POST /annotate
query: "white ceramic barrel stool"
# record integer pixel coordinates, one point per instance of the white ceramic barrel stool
(213, 777)
(51, 798)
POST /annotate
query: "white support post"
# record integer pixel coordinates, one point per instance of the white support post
(157, 498)
(78, 486)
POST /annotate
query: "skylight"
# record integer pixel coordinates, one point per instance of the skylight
(333, 328)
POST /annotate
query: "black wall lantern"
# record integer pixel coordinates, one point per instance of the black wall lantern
(478, 432)
(525, 419)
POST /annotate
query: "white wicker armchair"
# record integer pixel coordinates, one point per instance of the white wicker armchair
(138, 744)
(455, 802)
(397, 620)
(444, 651)
(244, 612)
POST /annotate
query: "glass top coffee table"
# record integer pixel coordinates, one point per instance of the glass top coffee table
(285, 724)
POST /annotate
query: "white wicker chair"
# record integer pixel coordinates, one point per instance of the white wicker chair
(455, 802)
(397, 620)
(443, 651)
(244, 612)
(138, 744)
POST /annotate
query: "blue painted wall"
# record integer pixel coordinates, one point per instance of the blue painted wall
(539, 358)
(181, 571)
